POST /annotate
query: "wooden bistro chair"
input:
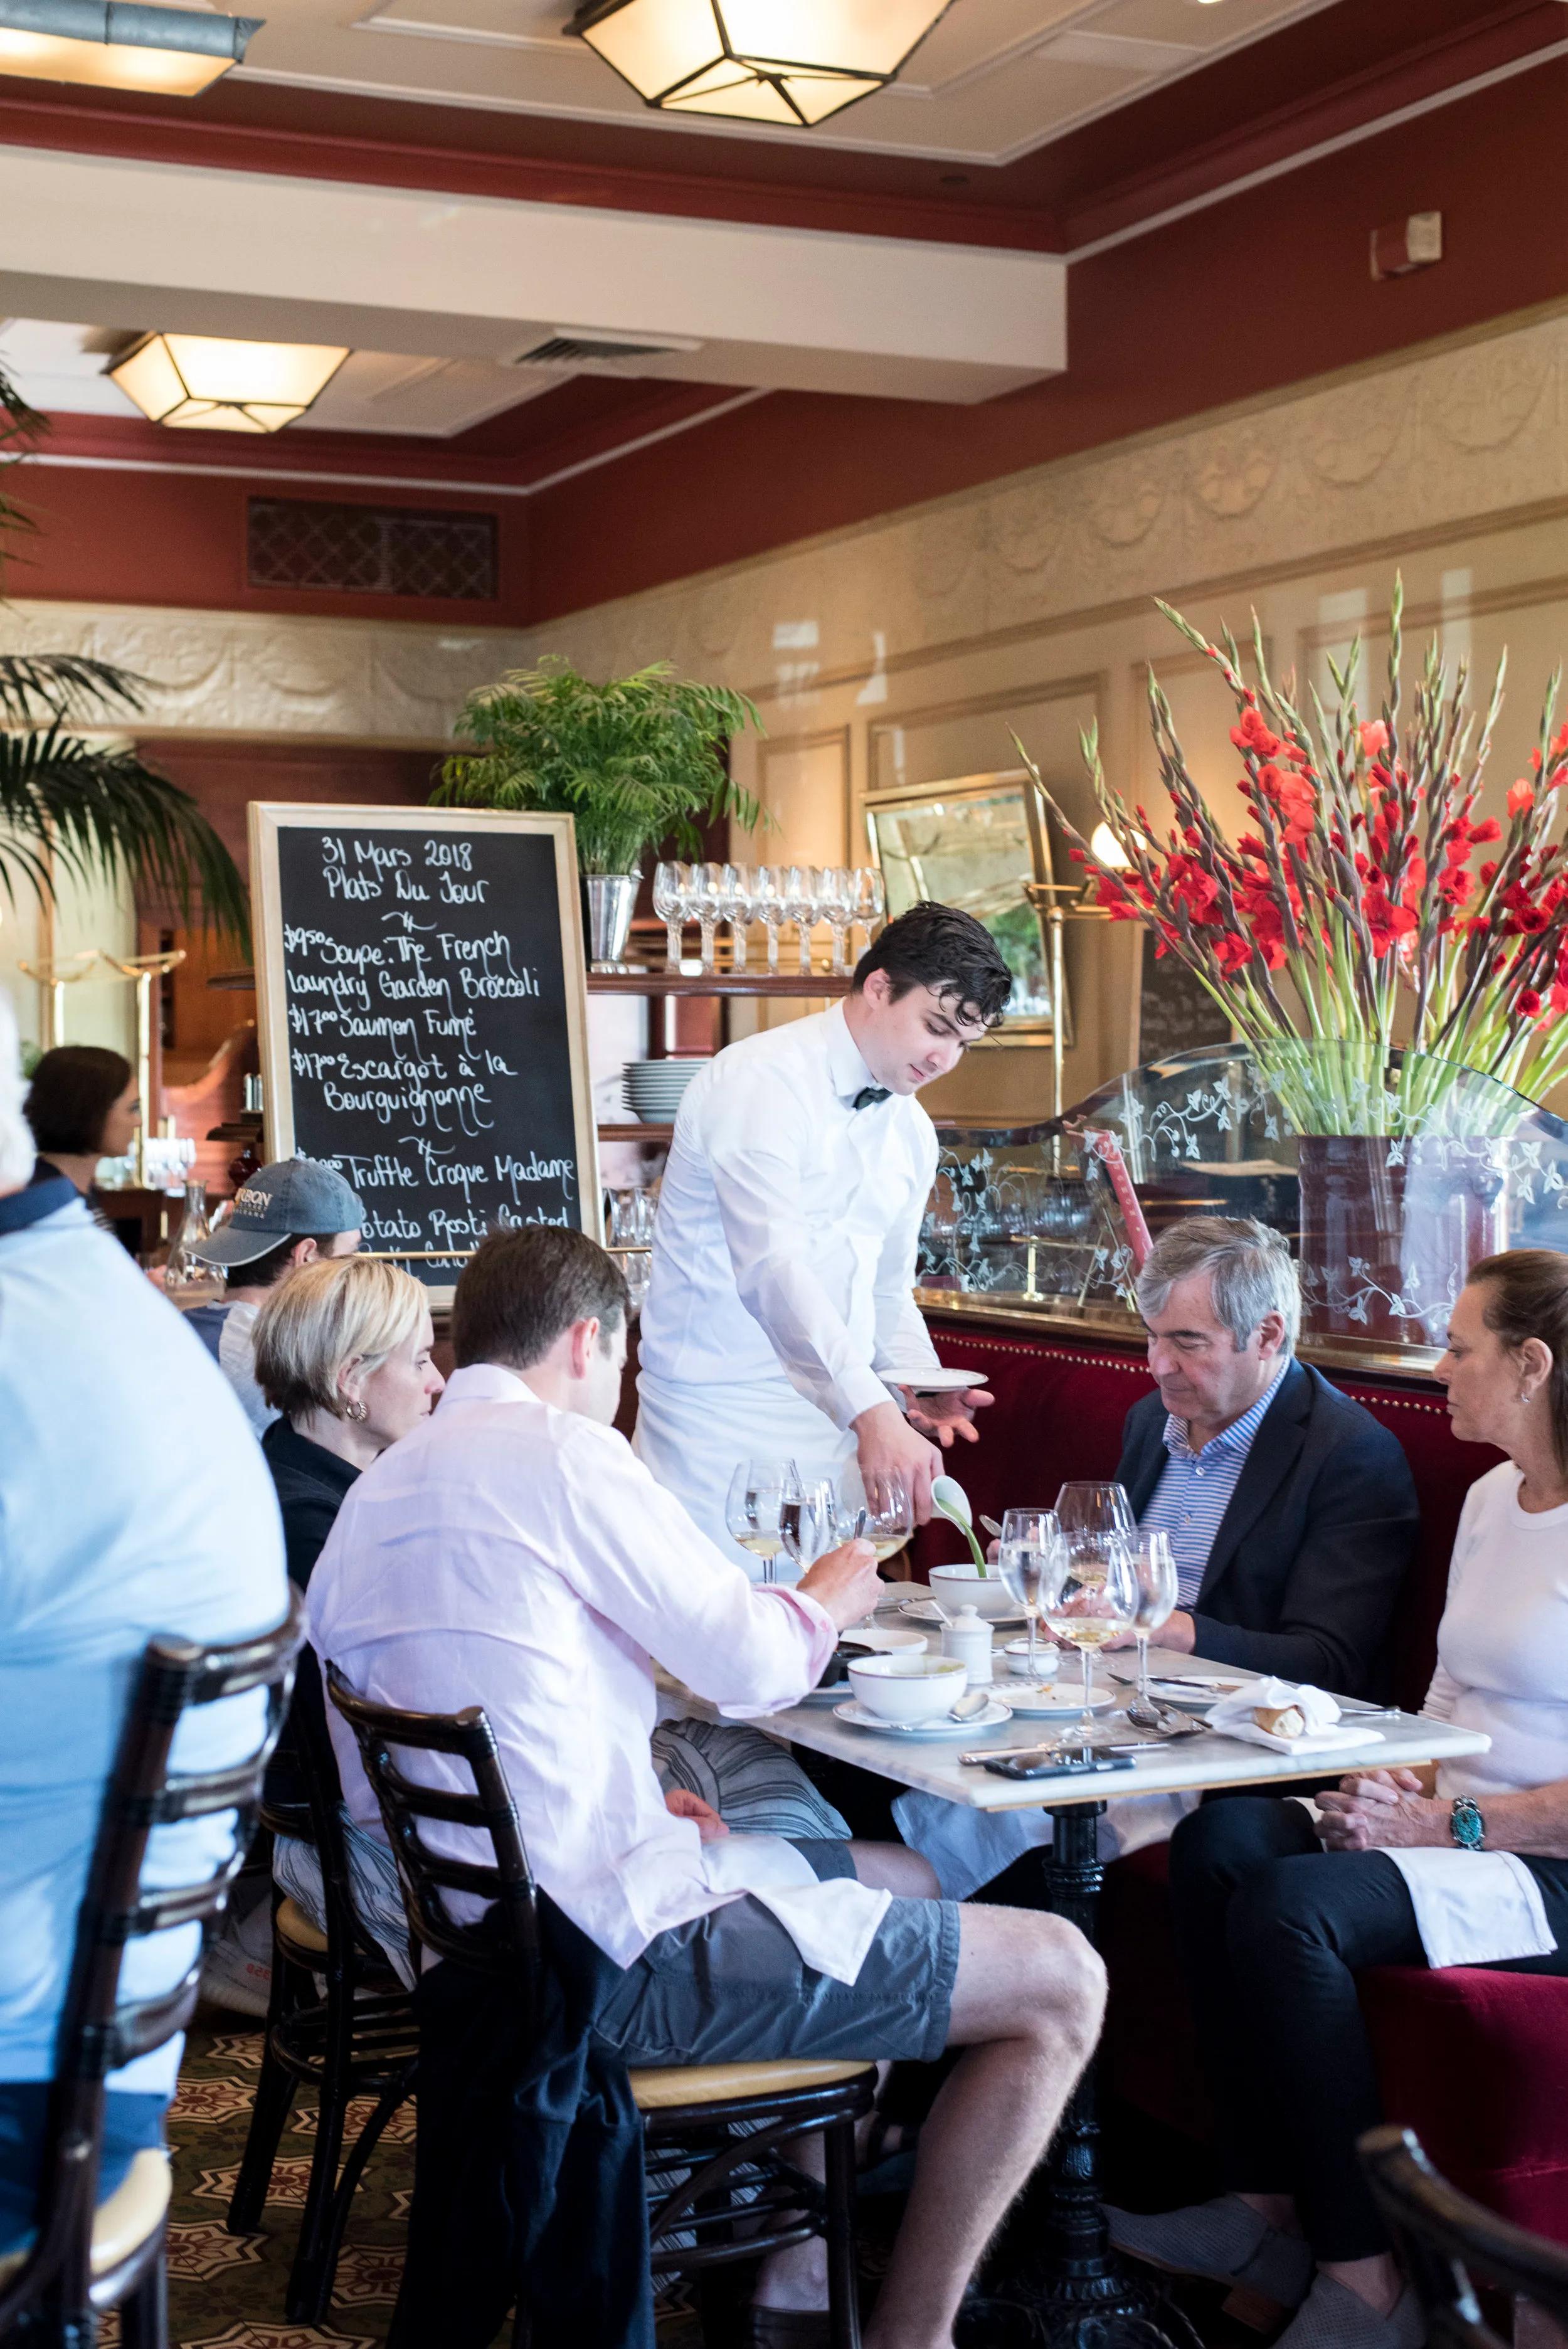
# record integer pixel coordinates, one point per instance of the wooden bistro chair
(358, 2040)
(87, 2255)
(1440, 2236)
(722, 2188)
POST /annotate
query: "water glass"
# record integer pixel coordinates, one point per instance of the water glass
(1154, 1567)
(1030, 1540)
(808, 1519)
(710, 892)
(768, 907)
(755, 1506)
(735, 905)
(1095, 1509)
(802, 906)
(870, 901)
(672, 904)
(839, 891)
(1090, 1599)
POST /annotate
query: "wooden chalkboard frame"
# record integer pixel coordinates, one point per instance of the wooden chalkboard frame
(268, 820)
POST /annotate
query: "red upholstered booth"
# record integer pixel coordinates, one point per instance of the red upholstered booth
(1475, 2062)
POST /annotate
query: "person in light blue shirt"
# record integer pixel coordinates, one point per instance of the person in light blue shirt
(134, 1501)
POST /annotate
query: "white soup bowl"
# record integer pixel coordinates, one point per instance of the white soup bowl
(908, 1689)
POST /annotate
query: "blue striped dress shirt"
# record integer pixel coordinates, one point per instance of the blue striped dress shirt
(1195, 1488)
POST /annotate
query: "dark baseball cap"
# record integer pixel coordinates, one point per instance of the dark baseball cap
(281, 1202)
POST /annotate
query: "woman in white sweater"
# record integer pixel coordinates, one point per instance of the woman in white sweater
(1276, 1908)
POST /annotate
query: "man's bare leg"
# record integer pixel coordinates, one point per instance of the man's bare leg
(797, 2278)
(1026, 2008)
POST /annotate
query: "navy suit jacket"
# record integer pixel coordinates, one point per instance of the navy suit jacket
(1308, 1559)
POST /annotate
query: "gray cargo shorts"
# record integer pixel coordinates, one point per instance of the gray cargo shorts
(731, 1987)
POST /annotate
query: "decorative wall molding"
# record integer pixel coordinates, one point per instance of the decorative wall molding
(250, 673)
(1440, 442)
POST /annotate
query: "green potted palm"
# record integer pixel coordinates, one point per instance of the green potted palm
(634, 763)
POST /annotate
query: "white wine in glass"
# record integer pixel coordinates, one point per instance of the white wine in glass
(1090, 1600)
(754, 1509)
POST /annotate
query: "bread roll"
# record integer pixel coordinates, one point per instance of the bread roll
(1280, 1720)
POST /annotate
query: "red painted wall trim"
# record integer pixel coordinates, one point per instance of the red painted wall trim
(1267, 290)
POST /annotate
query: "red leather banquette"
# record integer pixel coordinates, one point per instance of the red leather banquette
(1475, 2062)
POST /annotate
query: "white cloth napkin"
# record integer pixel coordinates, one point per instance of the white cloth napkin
(1474, 1907)
(831, 1924)
(1232, 1717)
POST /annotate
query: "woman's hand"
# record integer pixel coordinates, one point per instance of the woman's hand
(681, 1804)
(1381, 1810)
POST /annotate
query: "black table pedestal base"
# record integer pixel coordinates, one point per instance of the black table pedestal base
(1057, 2283)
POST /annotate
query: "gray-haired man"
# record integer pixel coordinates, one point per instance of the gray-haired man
(1291, 1512)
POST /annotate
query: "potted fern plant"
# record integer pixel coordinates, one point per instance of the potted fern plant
(636, 763)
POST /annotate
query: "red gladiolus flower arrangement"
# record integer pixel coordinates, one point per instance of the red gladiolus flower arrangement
(1354, 876)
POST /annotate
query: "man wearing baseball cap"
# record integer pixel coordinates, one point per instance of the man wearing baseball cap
(286, 1213)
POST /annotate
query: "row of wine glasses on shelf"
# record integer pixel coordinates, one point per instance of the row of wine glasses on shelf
(844, 896)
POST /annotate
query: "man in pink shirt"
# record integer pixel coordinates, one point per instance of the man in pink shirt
(514, 1552)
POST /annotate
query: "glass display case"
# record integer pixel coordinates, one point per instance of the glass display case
(1389, 1174)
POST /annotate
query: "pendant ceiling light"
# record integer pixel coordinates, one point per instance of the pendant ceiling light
(117, 44)
(224, 386)
(788, 61)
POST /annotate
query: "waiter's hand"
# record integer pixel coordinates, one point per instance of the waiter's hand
(888, 1445)
(845, 1582)
(944, 1416)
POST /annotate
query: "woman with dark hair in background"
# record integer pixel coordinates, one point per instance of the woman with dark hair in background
(82, 1106)
(1276, 1909)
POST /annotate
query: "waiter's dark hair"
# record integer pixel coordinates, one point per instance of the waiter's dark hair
(74, 1087)
(950, 952)
(523, 1286)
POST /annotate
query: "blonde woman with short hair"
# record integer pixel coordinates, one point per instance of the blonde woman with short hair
(343, 1352)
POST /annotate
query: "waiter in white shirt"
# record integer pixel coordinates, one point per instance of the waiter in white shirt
(779, 1323)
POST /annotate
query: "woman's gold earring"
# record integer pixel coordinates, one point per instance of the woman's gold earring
(357, 1411)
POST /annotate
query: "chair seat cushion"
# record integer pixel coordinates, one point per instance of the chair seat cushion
(124, 2220)
(656, 2090)
(296, 1933)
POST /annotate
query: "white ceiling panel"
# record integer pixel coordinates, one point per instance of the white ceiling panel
(515, 56)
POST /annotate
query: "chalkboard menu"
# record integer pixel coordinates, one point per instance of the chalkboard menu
(424, 1029)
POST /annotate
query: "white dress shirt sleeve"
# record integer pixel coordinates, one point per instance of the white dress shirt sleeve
(637, 1559)
(903, 1347)
(771, 1248)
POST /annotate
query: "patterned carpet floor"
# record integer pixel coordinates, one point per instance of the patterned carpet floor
(226, 2291)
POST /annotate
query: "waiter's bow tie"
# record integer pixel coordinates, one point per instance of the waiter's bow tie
(869, 1096)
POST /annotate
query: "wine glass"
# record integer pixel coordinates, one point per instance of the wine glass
(1090, 1595)
(870, 900)
(672, 902)
(768, 907)
(1030, 1540)
(1095, 1508)
(889, 1514)
(808, 1518)
(708, 890)
(1154, 1567)
(736, 908)
(755, 1506)
(802, 908)
(837, 902)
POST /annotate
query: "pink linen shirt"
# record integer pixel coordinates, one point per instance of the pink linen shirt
(511, 1554)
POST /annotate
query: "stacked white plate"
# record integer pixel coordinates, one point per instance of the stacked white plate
(654, 1088)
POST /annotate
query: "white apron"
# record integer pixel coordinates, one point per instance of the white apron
(693, 1439)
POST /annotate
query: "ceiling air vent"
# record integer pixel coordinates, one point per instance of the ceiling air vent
(562, 349)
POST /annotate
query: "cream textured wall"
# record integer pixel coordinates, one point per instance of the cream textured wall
(906, 649)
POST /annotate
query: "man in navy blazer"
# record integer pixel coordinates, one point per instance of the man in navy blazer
(1292, 1513)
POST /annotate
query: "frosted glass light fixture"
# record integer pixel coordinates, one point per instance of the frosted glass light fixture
(793, 62)
(224, 387)
(119, 44)
(1107, 850)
